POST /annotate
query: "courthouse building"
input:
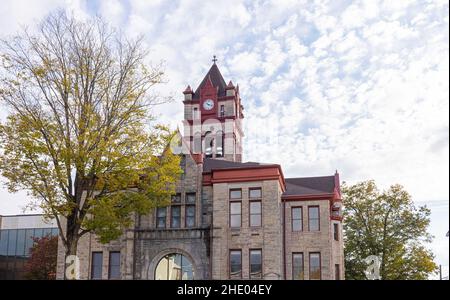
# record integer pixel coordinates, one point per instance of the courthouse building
(229, 219)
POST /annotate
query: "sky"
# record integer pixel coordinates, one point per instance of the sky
(361, 87)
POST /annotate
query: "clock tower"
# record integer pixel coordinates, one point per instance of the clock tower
(213, 118)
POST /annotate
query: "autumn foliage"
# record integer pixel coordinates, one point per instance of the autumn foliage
(42, 263)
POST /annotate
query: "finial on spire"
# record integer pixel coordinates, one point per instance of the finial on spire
(214, 59)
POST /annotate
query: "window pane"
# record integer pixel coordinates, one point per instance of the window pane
(296, 213)
(255, 220)
(97, 264)
(255, 263)
(236, 194)
(235, 221)
(29, 241)
(190, 210)
(176, 198)
(4, 242)
(235, 208)
(314, 225)
(336, 231)
(176, 213)
(255, 207)
(174, 267)
(161, 212)
(255, 193)
(20, 250)
(235, 263)
(114, 265)
(190, 198)
(12, 239)
(296, 225)
(297, 266)
(55, 231)
(337, 272)
(38, 233)
(314, 212)
(314, 266)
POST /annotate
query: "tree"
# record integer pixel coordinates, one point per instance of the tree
(42, 262)
(78, 137)
(386, 224)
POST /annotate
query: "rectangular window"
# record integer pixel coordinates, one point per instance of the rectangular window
(235, 264)
(236, 194)
(255, 214)
(313, 218)
(20, 249)
(175, 214)
(161, 213)
(114, 265)
(195, 113)
(298, 269)
(235, 214)
(97, 265)
(336, 231)
(4, 242)
(190, 216)
(314, 266)
(190, 197)
(255, 263)
(297, 218)
(222, 110)
(254, 193)
(337, 272)
(12, 239)
(176, 198)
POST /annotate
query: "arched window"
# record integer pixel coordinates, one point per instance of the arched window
(219, 144)
(209, 144)
(174, 266)
(197, 143)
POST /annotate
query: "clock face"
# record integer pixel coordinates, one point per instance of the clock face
(208, 104)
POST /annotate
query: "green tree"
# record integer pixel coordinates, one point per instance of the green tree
(386, 224)
(78, 136)
(42, 262)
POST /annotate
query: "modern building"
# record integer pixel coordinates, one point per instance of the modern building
(16, 239)
(228, 219)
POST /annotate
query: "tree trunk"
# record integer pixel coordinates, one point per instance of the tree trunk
(72, 237)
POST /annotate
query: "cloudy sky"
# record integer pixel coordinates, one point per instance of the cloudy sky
(357, 86)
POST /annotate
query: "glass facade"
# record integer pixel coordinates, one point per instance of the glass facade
(15, 245)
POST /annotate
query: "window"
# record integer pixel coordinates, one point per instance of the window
(12, 242)
(313, 218)
(314, 266)
(190, 198)
(255, 263)
(235, 264)
(298, 269)
(254, 193)
(222, 111)
(336, 231)
(161, 213)
(195, 113)
(297, 219)
(97, 265)
(219, 144)
(176, 198)
(236, 194)
(4, 242)
(175, 216)
(255, 213)
(174, 266)
(337, 272)
(235, 214)
(190, 216)
(114, 265)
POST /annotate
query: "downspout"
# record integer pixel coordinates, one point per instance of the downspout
(284, 238)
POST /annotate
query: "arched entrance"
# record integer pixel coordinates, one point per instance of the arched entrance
(174, 266)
